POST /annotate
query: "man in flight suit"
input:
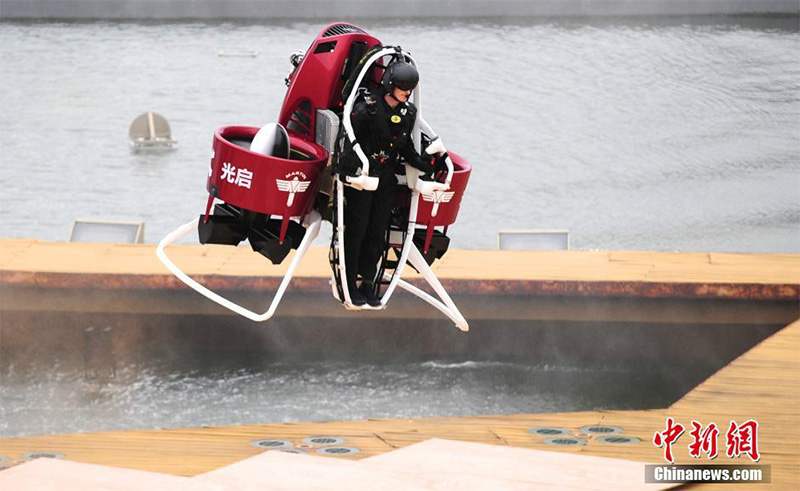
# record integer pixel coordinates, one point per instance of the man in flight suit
(382, 126)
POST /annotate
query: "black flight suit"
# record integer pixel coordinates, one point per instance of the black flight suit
(384, 134)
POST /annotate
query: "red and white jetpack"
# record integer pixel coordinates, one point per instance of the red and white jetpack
(275, 185)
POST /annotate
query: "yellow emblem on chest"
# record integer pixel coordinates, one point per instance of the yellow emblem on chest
(396, 119)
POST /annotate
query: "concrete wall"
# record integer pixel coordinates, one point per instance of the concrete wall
(348, 9)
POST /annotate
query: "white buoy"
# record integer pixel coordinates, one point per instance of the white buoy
(272, 139)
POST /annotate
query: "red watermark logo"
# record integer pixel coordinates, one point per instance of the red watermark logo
(739, 440)
(704, 441)
(743, 439)
(667, 437)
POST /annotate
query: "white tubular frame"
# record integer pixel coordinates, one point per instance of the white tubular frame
(348, 304)
(359, 182)
(446, 305)
(363, 181)
(437, 142)
(409, 251)
(408, 244)
(312, 224)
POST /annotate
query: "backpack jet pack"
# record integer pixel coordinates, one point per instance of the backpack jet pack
(274, 185)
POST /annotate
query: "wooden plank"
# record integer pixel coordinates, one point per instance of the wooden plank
(27, 255)
(539, 469)
(277, 470)
(46, 474)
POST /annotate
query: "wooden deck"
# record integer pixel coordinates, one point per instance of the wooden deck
(32, 256)
(491, 285)
(763, 384)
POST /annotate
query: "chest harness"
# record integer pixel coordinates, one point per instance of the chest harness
(393, 128)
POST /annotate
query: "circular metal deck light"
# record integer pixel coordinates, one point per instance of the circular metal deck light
(42, 455)
(565, 441)
(323, 440)
(618, 440)
(338, 450)
(600, 430)
(548, 431)
(272, 444)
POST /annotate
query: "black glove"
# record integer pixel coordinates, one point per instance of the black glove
(347, 163)
(427, 167)
(440, 163)
(435, 164)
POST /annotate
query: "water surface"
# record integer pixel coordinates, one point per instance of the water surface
(653, 134)
(282, 392)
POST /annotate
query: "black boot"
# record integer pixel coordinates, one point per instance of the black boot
(367, 289)
(356, 298)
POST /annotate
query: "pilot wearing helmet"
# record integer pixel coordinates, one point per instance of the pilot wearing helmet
(382, 125)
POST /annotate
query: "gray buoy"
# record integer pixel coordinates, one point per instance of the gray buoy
(150, 131)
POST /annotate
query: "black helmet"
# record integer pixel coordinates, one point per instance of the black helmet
(399, 74)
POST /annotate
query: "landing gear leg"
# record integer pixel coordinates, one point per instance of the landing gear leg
(445, 305)
(312, 224)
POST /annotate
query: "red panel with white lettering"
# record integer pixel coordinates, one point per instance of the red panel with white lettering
(262, 183)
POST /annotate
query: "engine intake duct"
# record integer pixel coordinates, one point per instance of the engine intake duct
(264, 238)
(439, 244)
(227, 226)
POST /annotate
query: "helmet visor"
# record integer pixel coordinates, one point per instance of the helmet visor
(405, 85)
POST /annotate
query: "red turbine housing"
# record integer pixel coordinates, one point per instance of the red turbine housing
(263, 183)
(324, 68)
(441, 209)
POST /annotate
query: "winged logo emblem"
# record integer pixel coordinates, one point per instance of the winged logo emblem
(292, 187)
(436, 198)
